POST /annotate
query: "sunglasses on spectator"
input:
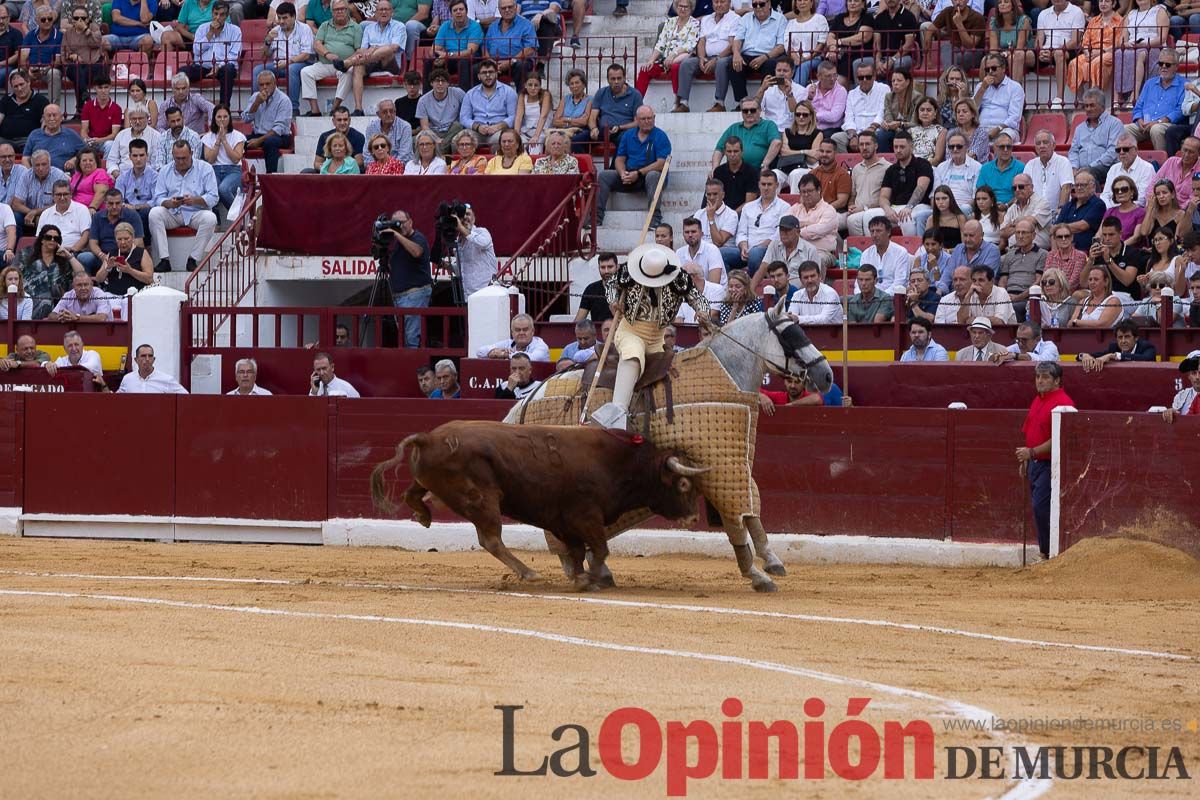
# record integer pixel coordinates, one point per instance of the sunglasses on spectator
(55, 239)
(1124, 149)
(1062, 236)
(82, 18)
(803, 115)
(1049, 282)
(1002, 146)
(1166, 64)
(955, 146)
(991, 69)
(759, 5)
(1120, 189)
(865, 77)
(749, 110)
(380, 146)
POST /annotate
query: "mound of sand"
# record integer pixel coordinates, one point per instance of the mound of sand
(1125, 564)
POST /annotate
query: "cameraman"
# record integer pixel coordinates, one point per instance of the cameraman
(476, 255)
(410, 277)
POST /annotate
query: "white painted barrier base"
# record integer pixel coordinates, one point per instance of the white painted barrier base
(446, 537)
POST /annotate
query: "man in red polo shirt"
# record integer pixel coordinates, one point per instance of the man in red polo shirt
(1034, 457)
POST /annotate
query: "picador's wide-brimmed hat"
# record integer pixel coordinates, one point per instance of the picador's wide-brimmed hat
(653, 265)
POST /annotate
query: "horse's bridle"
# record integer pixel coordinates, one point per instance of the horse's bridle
(779, 328)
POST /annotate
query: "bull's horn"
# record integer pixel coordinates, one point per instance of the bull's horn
(679, 467)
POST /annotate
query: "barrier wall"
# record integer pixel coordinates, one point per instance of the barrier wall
(1129, 475)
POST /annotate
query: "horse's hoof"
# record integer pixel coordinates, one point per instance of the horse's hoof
(425, 519)
(605, 582)
(777, 569)
(766, 585)
(581, 584)
(530, 576)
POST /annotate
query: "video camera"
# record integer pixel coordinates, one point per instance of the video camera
(446, 219)
(380, 242)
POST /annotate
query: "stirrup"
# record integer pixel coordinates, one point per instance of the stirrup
(612, 416)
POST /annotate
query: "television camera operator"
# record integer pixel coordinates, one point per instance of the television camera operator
(476, 254)
(407, 266)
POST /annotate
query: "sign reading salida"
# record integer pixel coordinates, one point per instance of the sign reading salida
(349, 267)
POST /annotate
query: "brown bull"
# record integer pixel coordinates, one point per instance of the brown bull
(572, 482)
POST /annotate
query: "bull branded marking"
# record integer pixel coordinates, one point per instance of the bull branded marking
(852, 750)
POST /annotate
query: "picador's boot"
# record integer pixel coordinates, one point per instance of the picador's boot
(616, 414)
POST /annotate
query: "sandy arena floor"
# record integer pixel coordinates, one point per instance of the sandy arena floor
(327, 672)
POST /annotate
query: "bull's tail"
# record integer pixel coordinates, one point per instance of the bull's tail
(379, 493)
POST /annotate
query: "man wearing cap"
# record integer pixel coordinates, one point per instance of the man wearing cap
(982, 348)
(787, 247)
(1185, 399)
(648, 291)
(1034, 457)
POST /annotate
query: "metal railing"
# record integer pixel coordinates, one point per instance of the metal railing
(541, 267)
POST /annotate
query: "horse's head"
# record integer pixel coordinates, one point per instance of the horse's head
(798, 353)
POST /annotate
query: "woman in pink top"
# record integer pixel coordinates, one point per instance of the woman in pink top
(89, 183)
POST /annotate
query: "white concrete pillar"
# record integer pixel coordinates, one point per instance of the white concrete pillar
(157, 322)
(488, 316)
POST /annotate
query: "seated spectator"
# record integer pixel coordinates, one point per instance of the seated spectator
(1129, 165)
(1030, 206)
(11, 174)
(869, 305)
(762, 39)
(73, 219)
(1188, 309)
(1125, 211)
(287, 49)
(61, 143)
(712, 54)
(397, 131)
(119, 159)
(323, 382)
(21, 110)
(676, 43)
(511, 158)
(535, 107)
(1100, 308)
(1021, 267)
(899, 108)
(468, 162)
(1030, 346)
(522, 341)
(185, 193)
(137, 182)
(961, 34)
(778, 97)
(779, 279)
(101, 118)
(1001, 99)
(613, 110)
(1001, 173)
(818, 220)
(41, 51)
(1058, 29)
(89, 183)
(718, 222)
(1057, 303)
(923, 348)
(1127, 347)
(739, 179)
(137, 97)
(794, 394)
(146, 379)
(904, 189)
(1162, 213)
(337, 39)
(574, 110)
(584, 347)
(24, 354)
(786, 248)
(1064, 256)
(83, 303)
(195, 107)
(947, 218)
(245, 372)
(76, 356)
(414, 15)
(381, 49)
(48, 268)
(889, 259)
(1176, 169)
(759, 137)
(934, 261)
(563, 364)
(1083, 213)
(864, 108)
(341, 124)
(834, 180)
(592, 303)
(11, 276)
(10, 42)
(102, 236)
(176, 132)
(439, 108)
(986, 211)
(558, 159)
(520, 381)
(798, 148)
(1185, 399)
(546, 19)
(1094, 141)
(921, 298)
(697, 251)
(928, 135)
(489, 108)
(974, 251)
(127, 266)
(1159, 105)
(982, 348)
(1148, 313)
(758, 224)
(426, 381)
(447, 381)
(34, 192)
(383, 163)
(987, 299)
(866, 180)
(829, 100)
(456, 45)
(739, 299)
(959, 172)
(816, 303)
(954, 305)
(641, 155)
(223, 147)
(180, 30)
(338, 158)
(664, 234)
(512, 43)
(270, 116)
(1049, 172)
(1123, 262)
(426, 161)
(83, 56)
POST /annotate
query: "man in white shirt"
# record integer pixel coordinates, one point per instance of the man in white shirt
(989, 300)
(778, 97)
(948, 306)
(1058, 29)
(712, 50)
(1051, 173)
(891, 261)
(759, 221)
(146, 379)
(522, 341)
(71, 218)
(476, 253)
(324, 383)
(697, 251)
(1030, 346)
(816, 303)
(245, 371)
(1129, 165)
(864, 107)
(719, 222)
(76, 356)
(139, 128)
(960, 172)
(1027, 204)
